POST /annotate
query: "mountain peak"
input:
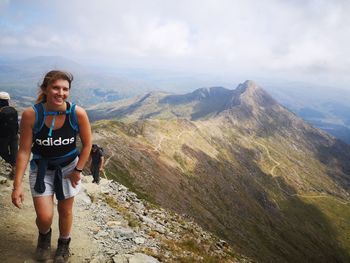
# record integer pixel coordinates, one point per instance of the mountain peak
(250, 94)
(247, 85)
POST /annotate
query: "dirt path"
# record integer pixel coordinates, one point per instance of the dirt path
(19, 232)
(272, 171)
(297, 195)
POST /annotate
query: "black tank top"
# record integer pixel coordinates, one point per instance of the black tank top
(62, 141)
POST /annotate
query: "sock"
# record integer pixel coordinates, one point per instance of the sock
(45, 232)
(65, 237)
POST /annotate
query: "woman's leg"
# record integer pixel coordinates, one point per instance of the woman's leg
(65, 212)
(44, 212)
(65, 220)
(44, 215)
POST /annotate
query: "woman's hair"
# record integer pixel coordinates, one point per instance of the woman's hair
(50, 78)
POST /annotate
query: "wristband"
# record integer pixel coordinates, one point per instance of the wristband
(78, 170)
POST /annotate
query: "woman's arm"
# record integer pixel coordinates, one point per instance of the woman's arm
(85, 137)
(23, 155)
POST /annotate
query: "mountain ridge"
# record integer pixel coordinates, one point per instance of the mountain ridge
(99, 84)
(205, 102)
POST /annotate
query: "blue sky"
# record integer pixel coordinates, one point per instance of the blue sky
(292, 39)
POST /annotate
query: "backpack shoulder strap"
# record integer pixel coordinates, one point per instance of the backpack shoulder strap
(73, 120)
(39, 117)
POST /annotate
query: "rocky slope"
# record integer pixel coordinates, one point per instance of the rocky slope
(245, 168)
(111, 225)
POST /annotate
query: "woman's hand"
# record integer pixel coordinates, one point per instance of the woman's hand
(74, 178)
(17, 196)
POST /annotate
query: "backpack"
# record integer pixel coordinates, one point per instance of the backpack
(8, 121)
(102, 152)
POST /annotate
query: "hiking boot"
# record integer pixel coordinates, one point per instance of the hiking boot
(43, 248)
(62, 252)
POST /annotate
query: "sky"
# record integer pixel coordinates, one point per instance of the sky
(306, 40)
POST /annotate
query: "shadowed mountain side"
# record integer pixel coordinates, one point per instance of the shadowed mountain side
(205, 101)
(265, 118)
(312, 160)
(226, 192)
(253, 213)
(336, 159)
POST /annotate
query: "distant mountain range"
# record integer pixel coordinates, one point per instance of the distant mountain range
(323, 107)
(22, 78)
(240, 164)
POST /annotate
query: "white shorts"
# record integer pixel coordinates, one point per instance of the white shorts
(68, 189)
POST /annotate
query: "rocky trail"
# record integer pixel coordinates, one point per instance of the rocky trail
(19, 232)
(110, 225)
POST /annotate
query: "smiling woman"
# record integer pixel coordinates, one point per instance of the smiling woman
(49, 131)
(59, 78)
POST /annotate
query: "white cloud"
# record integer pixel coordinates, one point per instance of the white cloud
(258, 36)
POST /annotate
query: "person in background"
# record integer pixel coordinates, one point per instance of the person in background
(8, 131)
(49, 130)
(97, 161)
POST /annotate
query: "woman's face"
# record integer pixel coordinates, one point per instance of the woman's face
(57, 93)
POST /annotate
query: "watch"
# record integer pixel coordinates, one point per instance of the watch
(78, 170)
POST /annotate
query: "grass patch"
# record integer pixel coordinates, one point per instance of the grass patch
(178, 158)
(338, 213)
(190, 249)
(132, 220)
(123, 176)
(190, 245)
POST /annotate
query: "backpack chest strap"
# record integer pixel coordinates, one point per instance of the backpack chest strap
(54, 114)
